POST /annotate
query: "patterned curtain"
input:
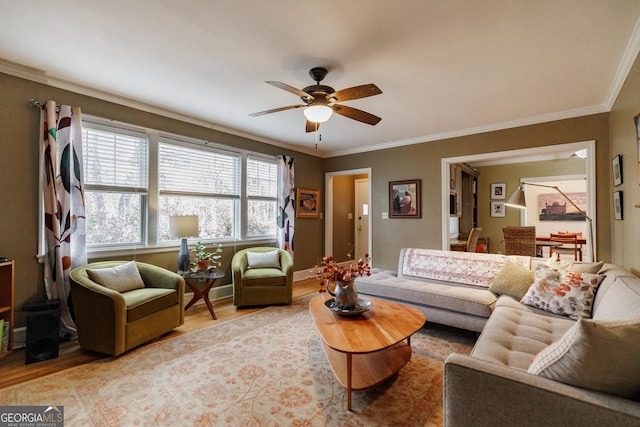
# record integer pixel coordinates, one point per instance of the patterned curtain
(286, 203)
(63, 197)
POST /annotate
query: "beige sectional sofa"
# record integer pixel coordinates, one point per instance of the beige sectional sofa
(530, 366)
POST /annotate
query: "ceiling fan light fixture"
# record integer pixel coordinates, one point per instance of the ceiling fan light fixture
(318, 113)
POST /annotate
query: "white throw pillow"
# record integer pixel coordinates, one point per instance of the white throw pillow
(569, 293)
(269, 259)
(557, 263)
(601, 356)
(121, 278)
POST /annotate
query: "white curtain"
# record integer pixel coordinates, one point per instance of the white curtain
(63, 197)
(286, 203)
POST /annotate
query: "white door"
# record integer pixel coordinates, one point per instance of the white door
(361, 222)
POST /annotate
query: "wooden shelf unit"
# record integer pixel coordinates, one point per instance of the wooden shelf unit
(6, 300)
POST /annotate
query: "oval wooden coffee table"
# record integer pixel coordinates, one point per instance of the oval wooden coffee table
(367, 349)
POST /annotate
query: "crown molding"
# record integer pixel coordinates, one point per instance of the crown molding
(628, 58)
(570, 114)
(39, 76)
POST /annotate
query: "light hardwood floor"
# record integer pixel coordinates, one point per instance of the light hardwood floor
(14, 371)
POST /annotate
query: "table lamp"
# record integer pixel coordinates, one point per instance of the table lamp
(183, 227)
(518, 200)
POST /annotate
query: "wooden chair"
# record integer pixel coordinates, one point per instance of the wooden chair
(570, 245)
(472, 240)
(520, 240)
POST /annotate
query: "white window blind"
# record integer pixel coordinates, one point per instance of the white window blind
(183, 169)
(262, 178)
(115, 160)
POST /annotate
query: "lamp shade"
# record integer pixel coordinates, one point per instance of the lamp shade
(318, 113)
(183, 226)
(517, 199)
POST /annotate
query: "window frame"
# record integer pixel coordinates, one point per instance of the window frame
(150, 242)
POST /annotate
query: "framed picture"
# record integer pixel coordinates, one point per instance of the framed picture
(307, 203)
(404, 199)
(616, 169)
(497, 210)
(499, 191)
(617, 205)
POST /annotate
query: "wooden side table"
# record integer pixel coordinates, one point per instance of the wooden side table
(204, 279)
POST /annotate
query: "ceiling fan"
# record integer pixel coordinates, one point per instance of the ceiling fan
(321, 101)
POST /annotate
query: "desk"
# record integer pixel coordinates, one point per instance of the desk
(206, 279)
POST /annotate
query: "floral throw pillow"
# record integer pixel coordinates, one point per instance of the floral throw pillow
(569, 293)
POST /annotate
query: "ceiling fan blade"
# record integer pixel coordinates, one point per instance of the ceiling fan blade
(311, 126)
(275, 110)
(291, 89)
(355, 114)
(356, 92)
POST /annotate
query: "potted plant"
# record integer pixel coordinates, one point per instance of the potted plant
(203, 258)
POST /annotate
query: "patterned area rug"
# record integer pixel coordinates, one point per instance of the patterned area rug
(263, 369)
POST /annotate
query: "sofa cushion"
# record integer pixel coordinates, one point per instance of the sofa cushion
(142, 302)
(512, 280)
(269, 259)
(121, 278)
(456, 298)
(450, 266)
(618, 297)
(563, 292)
(599, 356)
(515, 333)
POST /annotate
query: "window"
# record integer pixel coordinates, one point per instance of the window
(116, 180)
(262, 190)
(136, 179)
(198, 182)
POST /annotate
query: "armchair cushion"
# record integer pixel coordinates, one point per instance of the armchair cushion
(263, 259)
(264, 277)
(142, 302)
(121, 278)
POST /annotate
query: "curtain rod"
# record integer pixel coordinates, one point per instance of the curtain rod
(37, 104)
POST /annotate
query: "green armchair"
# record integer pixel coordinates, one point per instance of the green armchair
(264, 282)
(112, 322)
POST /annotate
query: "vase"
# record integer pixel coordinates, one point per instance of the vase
(183, 256)
(345, 295)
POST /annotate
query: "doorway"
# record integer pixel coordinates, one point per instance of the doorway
(337, 211)
(522, 156)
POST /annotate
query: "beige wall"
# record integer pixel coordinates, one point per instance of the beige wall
(511, 175)
(19, 124)
(423, 161)
(624, 141)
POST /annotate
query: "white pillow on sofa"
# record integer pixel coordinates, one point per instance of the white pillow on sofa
(595, 355)
(121, 278)
(269, 259)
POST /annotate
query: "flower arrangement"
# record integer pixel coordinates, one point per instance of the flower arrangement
(329, 270)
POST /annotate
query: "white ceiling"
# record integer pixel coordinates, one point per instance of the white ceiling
(445, 67)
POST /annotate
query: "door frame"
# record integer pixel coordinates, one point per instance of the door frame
(356, 253)
(328, 213)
